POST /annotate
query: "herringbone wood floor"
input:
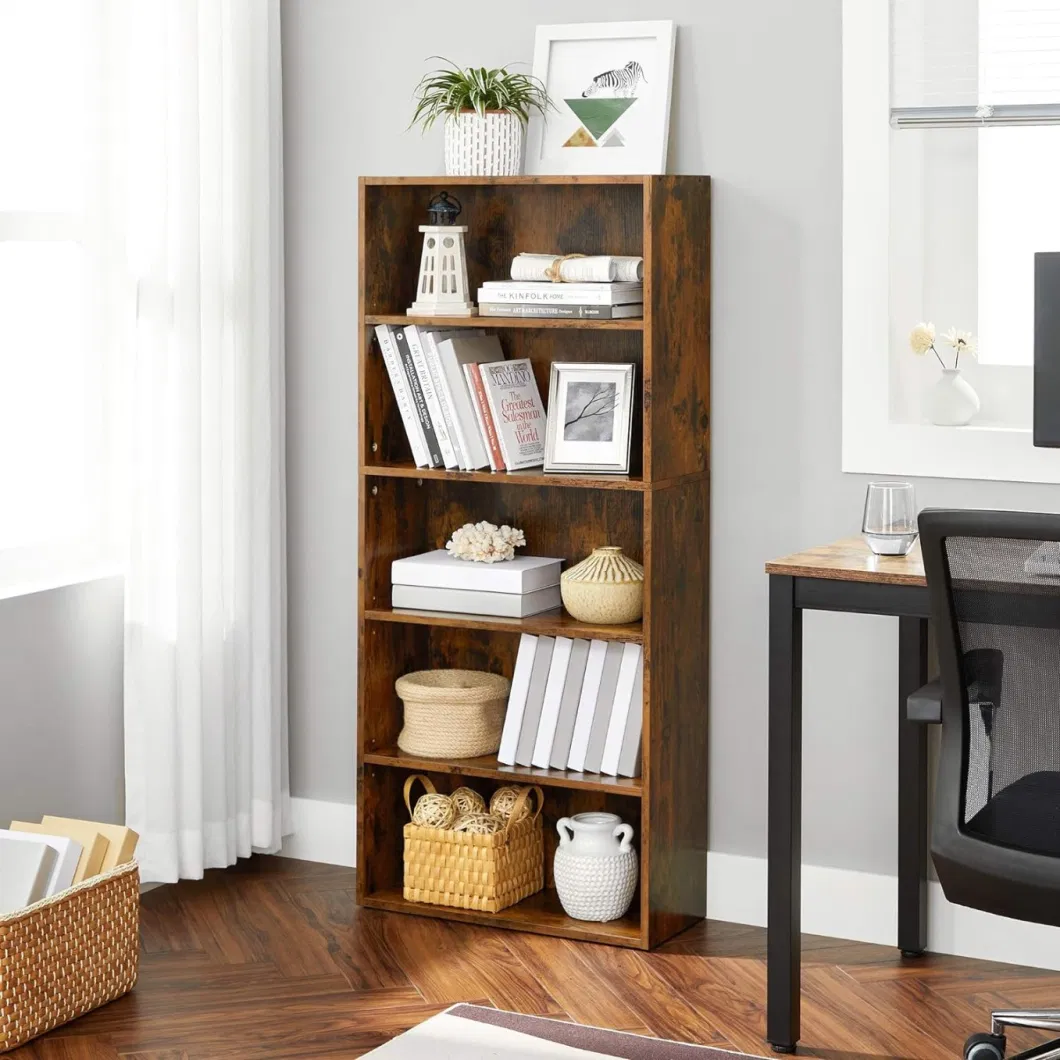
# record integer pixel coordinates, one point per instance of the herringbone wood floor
(273, 959)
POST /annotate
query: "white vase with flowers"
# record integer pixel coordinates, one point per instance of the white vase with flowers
(951, 401)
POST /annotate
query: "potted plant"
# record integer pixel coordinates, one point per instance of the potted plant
(485, 114)
(951, 401)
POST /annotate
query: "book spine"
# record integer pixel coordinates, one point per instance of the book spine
(418, 400)
(523, 309)
(489, 430)
(445, 398)
(558, 294)
(414, 339)
(399, 384)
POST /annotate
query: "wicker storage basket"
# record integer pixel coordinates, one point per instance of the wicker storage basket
(452, 713)
(487, 873)
(68, 954)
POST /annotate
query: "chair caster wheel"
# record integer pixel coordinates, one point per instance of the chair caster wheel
(985, 1047)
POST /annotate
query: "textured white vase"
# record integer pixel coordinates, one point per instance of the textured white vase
(489, 145)
(952, 402)
(595, 866)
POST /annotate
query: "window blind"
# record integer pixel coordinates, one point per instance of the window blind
(975, 62)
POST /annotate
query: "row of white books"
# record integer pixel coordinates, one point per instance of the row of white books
(576, 705)
(462, 404)
(589, 301)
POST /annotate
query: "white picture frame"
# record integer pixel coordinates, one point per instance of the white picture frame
(596, 68)
(590, 417)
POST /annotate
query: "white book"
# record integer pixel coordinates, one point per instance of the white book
(518, 412)
(583, 723)
(476, 602)
(546, 727)
(430, 339)
(438, 569)
(398, 383)
(25, 868)
(605, 702)
(550, 293)
(513, 719)
(616, 727)
(535, 699)
(454, 352)
(568, 709)
(430, 395)
(67, 855)
(629, 756)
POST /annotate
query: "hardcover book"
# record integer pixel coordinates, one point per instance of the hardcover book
(557, 677)
(561, 293)
(93, 844)
(402, 395)
(605, 702)
(475, 601)
(517, 410)
(121, 841)
(568, 708)
(513, 718)
(535, 699)
(486, 426)
(419, 401)
(438, 569)
(563, 312)
(454, 351)
(67, 855)
(418, 348)
(25, 869)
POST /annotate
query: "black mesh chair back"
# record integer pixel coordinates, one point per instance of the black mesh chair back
(994, 582)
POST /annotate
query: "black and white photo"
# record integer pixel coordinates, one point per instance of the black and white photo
(590, 423)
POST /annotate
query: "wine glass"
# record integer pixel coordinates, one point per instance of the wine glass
(889, 524)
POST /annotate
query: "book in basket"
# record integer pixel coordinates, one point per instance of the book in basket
(486, 873)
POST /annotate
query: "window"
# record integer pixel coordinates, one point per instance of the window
(55, 485)
(951, 138)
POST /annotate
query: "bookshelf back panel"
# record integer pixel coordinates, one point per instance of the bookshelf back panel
(404, 517)
(502, 220)
(382, 420)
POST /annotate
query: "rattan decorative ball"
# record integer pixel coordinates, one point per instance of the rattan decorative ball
(503, 802)
(479, 823)
(467, 800)
(434, 811)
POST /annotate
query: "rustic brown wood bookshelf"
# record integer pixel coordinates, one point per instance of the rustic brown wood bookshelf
(659, 514)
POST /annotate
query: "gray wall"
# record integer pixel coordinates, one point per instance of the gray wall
(61, 703)
(756, 105)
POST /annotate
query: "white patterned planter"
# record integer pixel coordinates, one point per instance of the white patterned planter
(595, 872)
(483, 146)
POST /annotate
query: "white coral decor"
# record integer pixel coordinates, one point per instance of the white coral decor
(485, 543)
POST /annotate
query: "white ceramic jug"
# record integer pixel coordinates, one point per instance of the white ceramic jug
(595, 866)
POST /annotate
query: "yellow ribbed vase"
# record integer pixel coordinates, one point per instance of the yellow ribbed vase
(606, 587)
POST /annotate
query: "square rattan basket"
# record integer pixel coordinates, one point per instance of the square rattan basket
(68, 954)
(486, 873)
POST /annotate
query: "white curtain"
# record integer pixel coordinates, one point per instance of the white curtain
(196, 192)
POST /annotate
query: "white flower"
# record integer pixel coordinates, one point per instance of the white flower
(922, 338)
(485, 543)
(961, 341)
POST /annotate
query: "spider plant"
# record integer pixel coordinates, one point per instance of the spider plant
(445, 93)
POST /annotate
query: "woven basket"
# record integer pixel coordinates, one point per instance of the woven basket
(452, 713)
(486, 873)
(68, 954)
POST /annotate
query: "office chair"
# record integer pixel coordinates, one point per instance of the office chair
(994, 584)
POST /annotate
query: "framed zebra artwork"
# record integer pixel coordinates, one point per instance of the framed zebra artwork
(609, 83)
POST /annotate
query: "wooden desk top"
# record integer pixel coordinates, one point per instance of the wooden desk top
(851, 560)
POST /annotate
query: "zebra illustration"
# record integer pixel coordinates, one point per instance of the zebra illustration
(617, 82)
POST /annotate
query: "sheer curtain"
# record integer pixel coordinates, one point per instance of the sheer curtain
(196, 187)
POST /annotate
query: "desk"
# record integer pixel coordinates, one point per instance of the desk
(844, 576)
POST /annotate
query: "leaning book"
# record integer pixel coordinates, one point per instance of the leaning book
(518, 412)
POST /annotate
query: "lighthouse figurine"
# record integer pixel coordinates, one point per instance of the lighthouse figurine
(441, 290)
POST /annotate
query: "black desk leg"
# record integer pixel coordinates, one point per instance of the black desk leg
(784, 950)
(912, 791)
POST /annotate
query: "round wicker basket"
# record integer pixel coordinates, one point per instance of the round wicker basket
(452, 713)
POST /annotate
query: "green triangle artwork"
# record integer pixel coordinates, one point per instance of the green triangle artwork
(597, 117)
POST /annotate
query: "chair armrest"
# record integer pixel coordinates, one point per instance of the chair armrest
(925, 704)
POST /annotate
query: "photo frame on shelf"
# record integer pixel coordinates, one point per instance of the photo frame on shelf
(590, 418)
(610, 84)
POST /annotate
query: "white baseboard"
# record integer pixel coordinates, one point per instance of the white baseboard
(845, 904)
(323, 831)
(839, 903)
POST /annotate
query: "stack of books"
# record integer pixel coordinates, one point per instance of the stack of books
(576, 705)
(40, 860)
(514, 588)
(590, 301)
(462, 404)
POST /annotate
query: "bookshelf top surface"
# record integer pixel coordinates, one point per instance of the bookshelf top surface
(524, 179)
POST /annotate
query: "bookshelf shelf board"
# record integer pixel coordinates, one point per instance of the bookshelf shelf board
(489, 768)
(530, 477)
(632, 324)
(540, 913)
(549, 623)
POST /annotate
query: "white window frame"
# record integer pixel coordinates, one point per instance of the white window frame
(872, 442)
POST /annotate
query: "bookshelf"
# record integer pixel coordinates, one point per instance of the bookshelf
(659, 514)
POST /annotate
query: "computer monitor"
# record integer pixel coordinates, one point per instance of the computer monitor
(1047, 349)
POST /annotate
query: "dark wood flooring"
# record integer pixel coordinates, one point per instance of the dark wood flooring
(273, 959)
